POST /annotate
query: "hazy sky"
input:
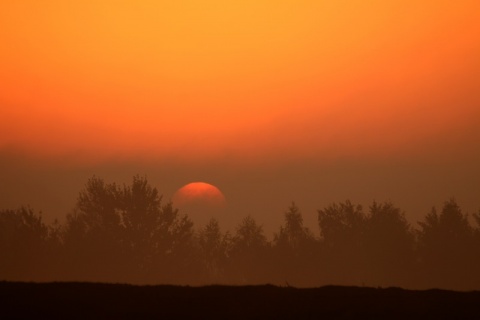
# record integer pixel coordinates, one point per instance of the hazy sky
(271, 101)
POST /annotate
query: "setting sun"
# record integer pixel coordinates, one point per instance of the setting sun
(297, 143)
(199, 193)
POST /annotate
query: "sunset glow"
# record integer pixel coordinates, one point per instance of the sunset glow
(199, 193)
(211, 79)
(233, 144)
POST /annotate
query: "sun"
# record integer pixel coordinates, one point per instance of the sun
(201, 201)
(199, 193)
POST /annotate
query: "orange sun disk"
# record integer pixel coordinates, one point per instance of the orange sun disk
(199, 194)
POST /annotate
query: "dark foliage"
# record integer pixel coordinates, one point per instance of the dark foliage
(127, 234)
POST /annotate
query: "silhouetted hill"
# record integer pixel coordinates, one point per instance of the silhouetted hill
(114, 301)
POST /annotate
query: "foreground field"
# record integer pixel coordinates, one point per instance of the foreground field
(115, 301)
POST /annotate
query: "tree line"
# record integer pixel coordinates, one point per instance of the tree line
(126, 233)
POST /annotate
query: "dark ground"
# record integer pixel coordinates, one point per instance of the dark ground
(115, 301)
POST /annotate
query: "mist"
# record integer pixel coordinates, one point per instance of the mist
(127, 235)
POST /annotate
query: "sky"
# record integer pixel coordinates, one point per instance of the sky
(270, 101)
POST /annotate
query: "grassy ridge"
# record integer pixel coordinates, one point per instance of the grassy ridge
(114, 301)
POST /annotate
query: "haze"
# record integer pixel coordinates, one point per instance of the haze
(271, 101)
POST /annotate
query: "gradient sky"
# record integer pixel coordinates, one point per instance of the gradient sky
(271, 101)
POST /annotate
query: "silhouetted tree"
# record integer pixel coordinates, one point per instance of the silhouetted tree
(445, 247)
(23, 240)
(161, 243)
(294, 247)
(373, 249)
(293, 234)
(182, 252)
(342, 229)
(388, 243)
(125, 234)
(94, 235)
(476, 217)
(476, 249)
(250, 254)
(214, 247)
(97, 206)
(341, 225)
(172, 226)
(139, 208)
(476, 229)
(140, 213)
(249, 235)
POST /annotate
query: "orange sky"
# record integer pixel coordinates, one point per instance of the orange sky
(204, 79)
